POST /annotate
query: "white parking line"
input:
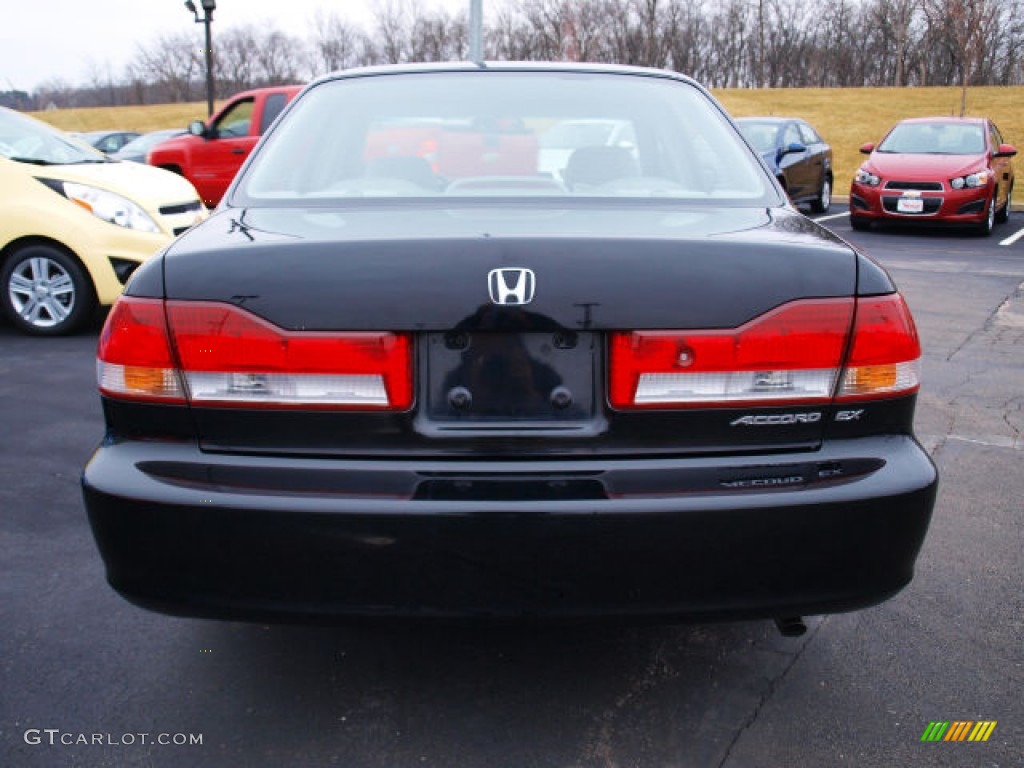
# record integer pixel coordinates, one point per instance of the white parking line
(832, 216)
(1013, 238)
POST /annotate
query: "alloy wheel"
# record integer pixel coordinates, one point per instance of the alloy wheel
(45, 290)
(42, 292)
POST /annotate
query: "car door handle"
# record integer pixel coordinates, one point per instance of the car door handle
(238, 151)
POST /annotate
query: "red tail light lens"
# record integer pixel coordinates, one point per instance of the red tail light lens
(885, 356)
(229, 357)
(134, 359)
(792, 354)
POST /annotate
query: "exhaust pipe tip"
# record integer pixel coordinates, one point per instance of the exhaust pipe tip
(791, 626)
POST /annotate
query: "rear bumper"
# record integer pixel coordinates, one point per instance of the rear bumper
(304, 539)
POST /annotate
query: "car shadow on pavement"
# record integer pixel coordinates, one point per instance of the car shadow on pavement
(513, 695)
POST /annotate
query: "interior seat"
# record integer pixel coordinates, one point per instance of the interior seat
(590, 167)
(410, 168)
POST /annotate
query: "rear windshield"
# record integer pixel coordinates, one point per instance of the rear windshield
(518, 134)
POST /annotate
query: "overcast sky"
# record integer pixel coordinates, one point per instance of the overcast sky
(45, 39)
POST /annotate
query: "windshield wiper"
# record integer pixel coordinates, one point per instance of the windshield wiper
(31, 160)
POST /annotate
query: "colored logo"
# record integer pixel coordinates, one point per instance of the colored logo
(959, 730)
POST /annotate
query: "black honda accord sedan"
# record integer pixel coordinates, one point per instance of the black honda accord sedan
(404, 372)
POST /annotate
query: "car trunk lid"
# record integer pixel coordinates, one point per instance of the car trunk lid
(525, 377)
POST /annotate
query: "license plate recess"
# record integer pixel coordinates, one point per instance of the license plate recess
(493, 377)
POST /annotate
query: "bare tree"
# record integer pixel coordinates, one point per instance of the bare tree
(785, 26)
(437, 36)
(105, 91)
(169, 63)
(962, 25)
(622, 37)
(546, 22)
(55, 94)
(897, 16)
(234, 62)
(685, 33)
(832, 61)
(727, 43)
(335, 43)
(505, 40)
(1013, 62)
(391, 32)
(732, 27)
(994, 29)
(278, 56)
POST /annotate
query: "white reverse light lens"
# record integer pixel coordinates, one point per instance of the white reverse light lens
(110, 207)
(287, 389)
(737, 386)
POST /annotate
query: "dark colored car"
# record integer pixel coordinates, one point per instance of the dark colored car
(135, 151)
(648, 388)
(796, 154)
(107, 142)
(936, 170)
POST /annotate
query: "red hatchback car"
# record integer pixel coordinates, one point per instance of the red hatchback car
(935, 169)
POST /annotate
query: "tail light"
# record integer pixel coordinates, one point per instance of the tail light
(220, 355)
(792, 355)
(134, 357)
(885, 355)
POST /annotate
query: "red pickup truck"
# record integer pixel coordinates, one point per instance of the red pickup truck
(211, 153)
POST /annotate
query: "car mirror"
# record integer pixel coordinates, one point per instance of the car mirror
(1005, 150)
(197, 128)
(867, 149)
(792, 148)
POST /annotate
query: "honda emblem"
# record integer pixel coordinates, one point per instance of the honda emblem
(512, 285)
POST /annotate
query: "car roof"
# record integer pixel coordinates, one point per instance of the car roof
(947, 120)
(100, 134)
(505, 66)
(164, 132)
(268, 89)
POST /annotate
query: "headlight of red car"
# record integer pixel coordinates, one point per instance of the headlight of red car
(864, 176)
(971, 180)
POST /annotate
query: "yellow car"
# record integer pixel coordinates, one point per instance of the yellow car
(74, 224)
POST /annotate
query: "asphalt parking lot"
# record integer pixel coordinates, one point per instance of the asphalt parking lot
(89, 680)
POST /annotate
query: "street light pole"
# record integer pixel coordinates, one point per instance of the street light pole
(208, 8)
(476, 31)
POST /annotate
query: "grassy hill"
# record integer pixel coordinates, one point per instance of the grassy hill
(143, 119)
(845, 117)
